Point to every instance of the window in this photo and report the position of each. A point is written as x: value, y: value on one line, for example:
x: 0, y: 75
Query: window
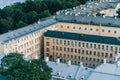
x: 56, y: 48
x: 87, y: 45
x: 67, y: 26
x: 102, y: 54
x: 75, y: 50
x: 68, y: 42
x: 56, y: 41
x: 79, y: 28
x: 83, y: 44
x: 106, y: 47
x: 79, y: 57
x: 98, y: 54
x: 115, y: 31
x: 60, y: 41
x: 109, y: 31
x: 61, y: 26
x: 71, y: 49
x: 90, y: 45
x: 82, y: 51
x: 79, y: 44
x: 111, y: 55
x: 68, y: 49
x: 102, y: 47
x: 53, y: 48
x: 91, y: 29
x: 64, y: 49
x: 75, y: 43
x: 111, y: 48
x: 79, y: 51
x: 98, y: 46
x: 47, y: 43
x: 96, y: 29
x: 94, y: 59
x: 47, y: 49
x: 94, y: 46
x: 64, y: 42
x: 60, y: 48
x: 106, y: 55
x: 90, y: 52
x: 102, y: 30
x: 73, y: 27
x: 94, y: 53
x: 85, y: 29
x: 87, y: 52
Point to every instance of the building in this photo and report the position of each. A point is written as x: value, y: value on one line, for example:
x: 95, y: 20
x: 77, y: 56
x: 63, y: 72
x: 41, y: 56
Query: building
x: 89, y: 49
x: 106, y: 71
x: 62, y: 71
x: 27, y: 40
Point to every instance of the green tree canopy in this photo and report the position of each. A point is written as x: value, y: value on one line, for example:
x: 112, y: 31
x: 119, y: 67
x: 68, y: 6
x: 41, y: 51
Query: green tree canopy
x: 15, y: 67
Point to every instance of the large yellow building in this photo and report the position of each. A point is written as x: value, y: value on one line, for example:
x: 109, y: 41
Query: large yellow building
x: 77, y: 35
x: 89, y: 49
x: 27, y: 40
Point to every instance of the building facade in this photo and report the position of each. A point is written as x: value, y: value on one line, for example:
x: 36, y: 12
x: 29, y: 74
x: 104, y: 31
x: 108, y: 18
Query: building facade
x: 27, y: 40
x: 89, y: 49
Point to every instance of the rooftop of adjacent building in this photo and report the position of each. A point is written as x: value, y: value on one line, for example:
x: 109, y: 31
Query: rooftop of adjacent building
x: 106, y: 72
x: 85, y: 14
x: 12, y: 35
x: 83, y: 37
x: 68, y: 71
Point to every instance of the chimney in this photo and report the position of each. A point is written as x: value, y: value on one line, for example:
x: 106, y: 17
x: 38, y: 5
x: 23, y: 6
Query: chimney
x: 118, y: 63
x: 105, y: 61
x: 81, y: 64
x: 39, y: 22
x: 47, y: 59
x: 116, y: 58
x: 69, y: 62
x: 57, y: 60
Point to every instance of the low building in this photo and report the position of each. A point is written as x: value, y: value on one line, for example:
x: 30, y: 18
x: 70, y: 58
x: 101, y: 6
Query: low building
x: 89, y: 49
x: 62, y: 71
x: 106, y: 71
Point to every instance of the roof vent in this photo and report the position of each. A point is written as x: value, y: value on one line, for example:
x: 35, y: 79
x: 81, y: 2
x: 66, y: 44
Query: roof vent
x: 116, y: 58
x: 105, y: 61
x: 81, y: 64
x: 69, y: 62
x: 118, y: 63
x: 53, y: 17
x: 46, y: 59
x: 58, y: 73
x: 57, y: 60
x: 39, y: 22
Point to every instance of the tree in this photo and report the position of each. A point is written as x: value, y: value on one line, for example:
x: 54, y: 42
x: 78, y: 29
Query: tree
x: 44, y: 14
x: 15, y: 67
x: 20, y: 24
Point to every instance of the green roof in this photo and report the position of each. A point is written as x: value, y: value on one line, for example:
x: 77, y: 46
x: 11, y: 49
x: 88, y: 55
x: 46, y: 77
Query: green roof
x: 83, y: 37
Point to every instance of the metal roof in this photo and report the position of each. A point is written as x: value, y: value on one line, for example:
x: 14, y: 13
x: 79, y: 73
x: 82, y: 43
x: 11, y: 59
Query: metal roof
x: 66, y: 70
x: 106, y: 72
x: 26, y: 30
x: 83, y: 37
x: 85, y: 14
